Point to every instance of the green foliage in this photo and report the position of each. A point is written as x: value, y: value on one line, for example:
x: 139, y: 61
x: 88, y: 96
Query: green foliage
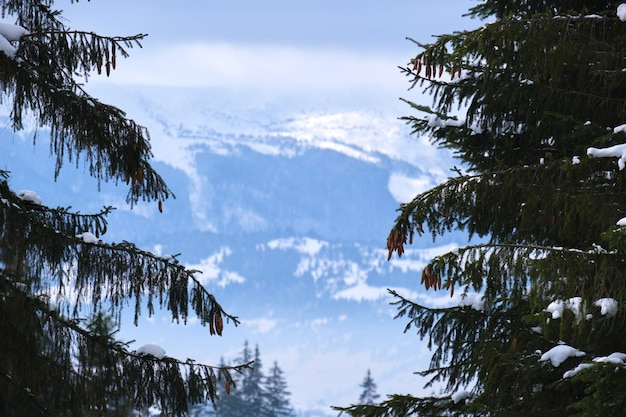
x: 521, y: 101
x: 406, y: 405
x: 53, y: 362
x: 604, y: 383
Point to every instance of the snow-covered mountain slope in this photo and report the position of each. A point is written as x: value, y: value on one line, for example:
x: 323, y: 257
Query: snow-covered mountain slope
x: 286, y: 212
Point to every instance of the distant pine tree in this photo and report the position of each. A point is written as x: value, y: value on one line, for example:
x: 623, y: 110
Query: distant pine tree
x: 54, y: 267
x: 254, y: 394
x: 277, y: 403
x: 245, y: 396
x: 534, y: 105
x: 230, y: 401
x: 369, y: 394
x: 253, y: 388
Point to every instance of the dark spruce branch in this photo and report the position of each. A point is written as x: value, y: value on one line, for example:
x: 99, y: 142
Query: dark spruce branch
x: 60, y: 219
x: 41, y: 82
x: 506, y: 275
x: 166, y: 381
x: 26, y: 392
x: 94, y: 273
x: 80, y: 127
x: 499, y: 67
x: 525, y: 203
x: 454, y: 334
x: 519, y: 10
x: 407, y: 405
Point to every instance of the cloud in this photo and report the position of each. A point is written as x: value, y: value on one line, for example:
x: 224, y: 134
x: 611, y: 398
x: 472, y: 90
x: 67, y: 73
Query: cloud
x: 360, y: 292
x: 261, y: 325
x: 319, y: 322
x: 269, y: 67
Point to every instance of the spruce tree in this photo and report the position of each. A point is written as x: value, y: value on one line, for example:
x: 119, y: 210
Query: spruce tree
x: 533, y: 104
x: 369, y: 394
x: 252, y: 387
x: 55, y: 268
x: 277, y: 403
x: 235, y: 401
x: 229, y: 402
x: 254, y: 394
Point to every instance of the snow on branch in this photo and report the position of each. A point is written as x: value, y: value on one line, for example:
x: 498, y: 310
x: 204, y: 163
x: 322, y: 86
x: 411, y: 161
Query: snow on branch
x: 621, y: 12
x: 31, y: 196
x: 10, y: 33
x: 616, y: 151
x: 560, y: 353
x: 115, y: 147
x: 153, y: 350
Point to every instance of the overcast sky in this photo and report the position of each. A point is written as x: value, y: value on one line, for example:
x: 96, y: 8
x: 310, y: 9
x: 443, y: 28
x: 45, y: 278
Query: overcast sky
x: 363, y: 25
x: 303, y: 48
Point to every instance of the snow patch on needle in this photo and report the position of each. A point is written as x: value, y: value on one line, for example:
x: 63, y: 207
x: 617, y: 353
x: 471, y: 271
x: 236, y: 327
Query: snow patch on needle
x: 560, y: 353
x: 621, y: 12
x: 151, y: 350
x: 608, y: 306
x: 28, y: 195
x: 10, y: 33
x: 616, y: 151
x: 88, y: 237
x: 557, y: 307
x: 473, y: 300
x: 615, y: 358
x: 459, y: 396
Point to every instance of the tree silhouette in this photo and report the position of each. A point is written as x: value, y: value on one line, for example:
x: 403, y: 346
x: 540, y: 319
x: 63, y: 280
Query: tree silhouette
x: 277, y: 403
x: 254, y: 393
x: 369, y: 394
